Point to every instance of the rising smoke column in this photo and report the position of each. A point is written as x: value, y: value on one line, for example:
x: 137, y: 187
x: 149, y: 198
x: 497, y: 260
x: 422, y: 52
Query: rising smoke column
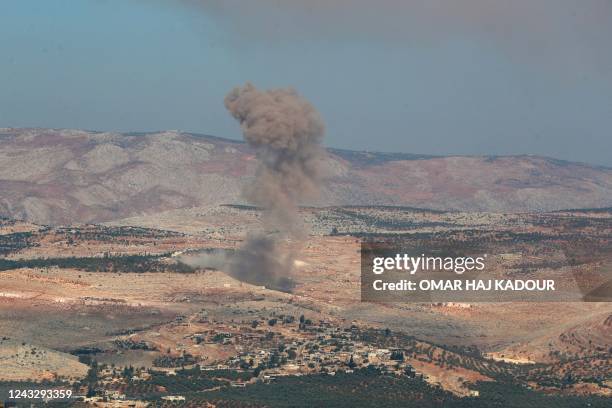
x: 286, y: 132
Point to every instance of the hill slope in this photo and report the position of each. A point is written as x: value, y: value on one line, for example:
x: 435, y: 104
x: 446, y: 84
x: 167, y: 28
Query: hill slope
x: 66, y: 176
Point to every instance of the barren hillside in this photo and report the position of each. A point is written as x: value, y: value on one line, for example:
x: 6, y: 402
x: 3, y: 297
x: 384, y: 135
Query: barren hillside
x: 66, y: 176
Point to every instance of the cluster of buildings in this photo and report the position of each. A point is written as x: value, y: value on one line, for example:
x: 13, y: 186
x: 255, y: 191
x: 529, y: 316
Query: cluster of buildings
x: 306, y: 348
x: 269, y: 348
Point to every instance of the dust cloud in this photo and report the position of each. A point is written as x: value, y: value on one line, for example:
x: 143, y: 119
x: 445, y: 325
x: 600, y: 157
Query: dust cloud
x: 286, y: 132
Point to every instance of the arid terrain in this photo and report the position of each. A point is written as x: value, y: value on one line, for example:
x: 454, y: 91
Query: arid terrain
x: 116, y: 278
x: 145, y: 304
x: 56, y: 177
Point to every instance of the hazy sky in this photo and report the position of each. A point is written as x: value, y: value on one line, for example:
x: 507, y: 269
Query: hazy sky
x: 420, y: 76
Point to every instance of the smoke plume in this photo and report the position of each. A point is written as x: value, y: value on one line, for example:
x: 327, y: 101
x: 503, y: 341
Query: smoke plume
x: 286, y: 132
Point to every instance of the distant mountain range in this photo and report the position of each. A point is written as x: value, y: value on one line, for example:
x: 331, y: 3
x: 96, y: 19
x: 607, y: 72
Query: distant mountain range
x: 54, y: 176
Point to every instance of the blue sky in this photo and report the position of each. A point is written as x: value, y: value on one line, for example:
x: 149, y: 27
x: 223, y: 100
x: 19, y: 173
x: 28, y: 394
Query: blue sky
x: 484, y: 78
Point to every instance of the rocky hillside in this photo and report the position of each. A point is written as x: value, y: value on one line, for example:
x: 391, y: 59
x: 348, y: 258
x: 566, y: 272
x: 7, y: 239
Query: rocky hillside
x: 66, y: 176
x: 26, y: 362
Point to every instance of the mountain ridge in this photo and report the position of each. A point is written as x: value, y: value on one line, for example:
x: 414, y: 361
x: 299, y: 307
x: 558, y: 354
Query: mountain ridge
x: 336, y: 150
x: 55, y: 176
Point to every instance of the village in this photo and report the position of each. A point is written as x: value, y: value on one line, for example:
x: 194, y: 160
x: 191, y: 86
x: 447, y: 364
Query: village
x: 268, y: 348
